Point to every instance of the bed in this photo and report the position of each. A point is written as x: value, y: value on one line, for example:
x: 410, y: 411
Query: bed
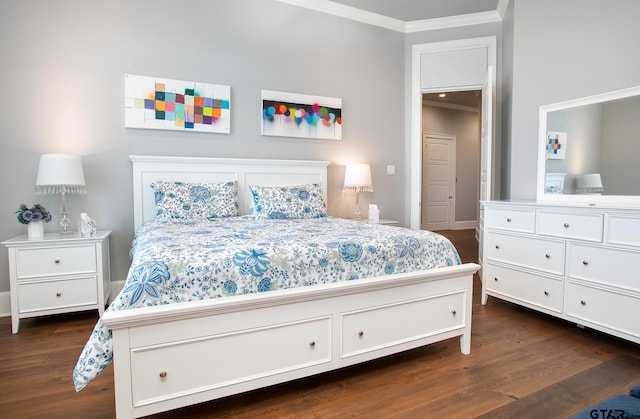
x: 181, y: 346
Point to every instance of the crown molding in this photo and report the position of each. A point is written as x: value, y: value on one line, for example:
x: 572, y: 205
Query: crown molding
x: 353, y: 13
x: 348, y: 12
x: 452, y: 21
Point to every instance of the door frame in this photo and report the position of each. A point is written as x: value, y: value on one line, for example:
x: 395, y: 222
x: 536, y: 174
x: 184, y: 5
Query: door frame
x: 415, y: 133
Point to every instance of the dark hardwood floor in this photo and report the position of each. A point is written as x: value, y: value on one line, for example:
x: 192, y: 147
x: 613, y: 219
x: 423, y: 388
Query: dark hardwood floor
x: 522, y: 365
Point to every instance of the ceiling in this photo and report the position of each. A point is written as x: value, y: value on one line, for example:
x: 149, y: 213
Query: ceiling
x: 411, y: 10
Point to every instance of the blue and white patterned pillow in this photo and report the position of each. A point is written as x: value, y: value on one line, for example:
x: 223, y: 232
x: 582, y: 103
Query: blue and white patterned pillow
x: 195, y: 201
x: 302, y: 201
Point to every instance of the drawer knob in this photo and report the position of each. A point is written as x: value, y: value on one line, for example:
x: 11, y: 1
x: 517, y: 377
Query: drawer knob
x: 163, y: 374
x: 57, y: 261
x: 58, y: 294
x: 454, y: 312
x: 360, y: 333
x: 508, y: 220
x: 548, y: 256
x: 495, y: 278
x: 566, y: 225
x: 497, y: 246
x: 583, y: 302
x: 546, y: 293
x: 312, y: 344
x: 585, y: 262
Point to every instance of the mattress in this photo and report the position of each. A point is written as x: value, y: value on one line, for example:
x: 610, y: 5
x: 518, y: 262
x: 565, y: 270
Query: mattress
x: 175, y: 262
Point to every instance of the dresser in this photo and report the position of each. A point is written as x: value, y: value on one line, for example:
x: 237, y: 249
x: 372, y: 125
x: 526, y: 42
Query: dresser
x: 58, y: 274
x: 577, y: 262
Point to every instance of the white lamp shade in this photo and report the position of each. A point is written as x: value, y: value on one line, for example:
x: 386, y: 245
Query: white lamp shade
x: 358, y: 177
x: 58, y: 173
x: 591, y: 180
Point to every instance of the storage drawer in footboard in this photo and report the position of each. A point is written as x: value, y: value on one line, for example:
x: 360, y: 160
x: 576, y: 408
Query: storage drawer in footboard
x: 394, y: 324
x: 164, y: 371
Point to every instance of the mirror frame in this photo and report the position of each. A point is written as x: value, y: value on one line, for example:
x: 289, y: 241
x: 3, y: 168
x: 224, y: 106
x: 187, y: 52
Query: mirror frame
x: 604, y: 200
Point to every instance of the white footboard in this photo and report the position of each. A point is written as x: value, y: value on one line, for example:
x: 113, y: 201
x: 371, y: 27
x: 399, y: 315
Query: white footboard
x: 171, y: 356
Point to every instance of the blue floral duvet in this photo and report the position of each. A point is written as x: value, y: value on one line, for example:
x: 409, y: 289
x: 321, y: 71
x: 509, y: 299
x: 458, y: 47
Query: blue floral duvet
x: 184, y: 261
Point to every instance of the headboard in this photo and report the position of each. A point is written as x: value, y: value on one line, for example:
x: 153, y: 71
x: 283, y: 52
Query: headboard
x: 149, y: 169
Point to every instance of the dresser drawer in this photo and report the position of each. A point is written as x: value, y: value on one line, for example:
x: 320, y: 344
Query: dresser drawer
x: 538, y: 290
x: 165, y: 371
x: 622, y: 230
x: 511, y: 219
x: 604, y: 308
x: 571, y: 226
x: 55, y: 261
x: 601, y: 264
x: 540, y: 254
x: 379, y: 327
x: 57, y: 294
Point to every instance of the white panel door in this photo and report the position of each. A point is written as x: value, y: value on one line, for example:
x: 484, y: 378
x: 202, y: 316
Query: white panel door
x: 439, y: 153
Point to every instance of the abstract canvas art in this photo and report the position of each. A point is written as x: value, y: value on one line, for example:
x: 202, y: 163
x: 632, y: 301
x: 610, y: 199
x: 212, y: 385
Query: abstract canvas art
x: 556, y: 145
x: 157, y: 103
x: 302, y: 116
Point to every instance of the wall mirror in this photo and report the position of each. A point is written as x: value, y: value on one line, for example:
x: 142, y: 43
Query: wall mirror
x: 589, y: 150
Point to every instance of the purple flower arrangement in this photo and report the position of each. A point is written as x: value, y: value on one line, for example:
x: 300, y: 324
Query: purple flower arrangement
x: 33, y: 214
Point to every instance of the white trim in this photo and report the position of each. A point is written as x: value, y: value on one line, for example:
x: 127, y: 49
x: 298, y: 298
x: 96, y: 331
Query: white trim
x: 452, y: 21
x: 502, y: 8
x: 353, y: 13
x: 348, y: 12
x: 415, y: 133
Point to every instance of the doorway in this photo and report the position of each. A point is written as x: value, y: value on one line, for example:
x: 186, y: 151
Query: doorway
x: 460, y: 65
x: 450, y: 184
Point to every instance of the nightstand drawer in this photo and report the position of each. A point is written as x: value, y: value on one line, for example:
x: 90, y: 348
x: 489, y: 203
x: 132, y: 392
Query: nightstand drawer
x: 55, y: 261
x: 51, y: 295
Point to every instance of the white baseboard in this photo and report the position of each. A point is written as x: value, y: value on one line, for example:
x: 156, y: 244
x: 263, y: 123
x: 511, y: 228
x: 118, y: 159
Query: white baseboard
x: 5, y: 298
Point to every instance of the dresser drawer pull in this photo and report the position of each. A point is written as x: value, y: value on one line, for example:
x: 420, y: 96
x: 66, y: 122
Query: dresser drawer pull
x: 312, y: 344
x: 495, y: 278
x: 57, y: 261
x: 360, y: 333
x: 58, y: 294
x: 585, y: 262
x: 583, y: 302
x: 546, y: 293
x: 566, y: 225
x: 497, y: 246
x: 454, y: 312
x: 508, y: 220
x: 163, y: 374
x: 548, y: 256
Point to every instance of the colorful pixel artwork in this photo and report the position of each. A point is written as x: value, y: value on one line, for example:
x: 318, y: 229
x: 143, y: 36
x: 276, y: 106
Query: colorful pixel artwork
x: 302, y: 116
x: 556, y: 145
x: 155, y: 103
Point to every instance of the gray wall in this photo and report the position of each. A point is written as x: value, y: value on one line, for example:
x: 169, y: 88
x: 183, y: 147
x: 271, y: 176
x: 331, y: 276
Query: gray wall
x: 564, y: 50
x: 63, y: 67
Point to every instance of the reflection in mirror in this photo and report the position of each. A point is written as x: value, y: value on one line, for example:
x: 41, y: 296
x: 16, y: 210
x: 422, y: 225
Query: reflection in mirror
x: 589, y: 147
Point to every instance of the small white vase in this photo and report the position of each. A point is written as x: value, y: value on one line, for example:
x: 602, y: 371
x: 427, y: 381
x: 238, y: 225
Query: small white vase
x: 35, y: 230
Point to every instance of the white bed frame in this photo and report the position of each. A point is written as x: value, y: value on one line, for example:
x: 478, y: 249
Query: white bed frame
x: 171, y: 356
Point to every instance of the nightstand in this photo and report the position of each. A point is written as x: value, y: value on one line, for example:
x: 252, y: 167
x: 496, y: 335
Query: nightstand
x: 58, y: 274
